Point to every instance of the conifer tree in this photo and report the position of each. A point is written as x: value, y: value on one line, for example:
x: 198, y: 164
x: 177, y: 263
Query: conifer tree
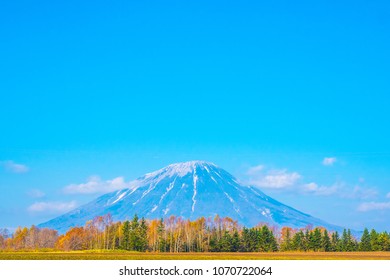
x: 325, y: 242
x: 298, y: 241
x: 235, y: 246
x: 315, y: 240
x: 244, y: 242
x: 126, y: 236
x: 384, y: 241
x: 286, y: 241
x: 142, y: 236
x: 161, y: 240
x: 226, y: 242
x: 335, y: 242
x: 134, y: 234
x: 365, y: 241
x: 269, y: 241
x: 375, y: 240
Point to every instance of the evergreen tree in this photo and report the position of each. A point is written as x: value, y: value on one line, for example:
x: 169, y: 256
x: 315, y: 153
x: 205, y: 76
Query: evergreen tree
x: 134, y: 234
x: 226, y: 242
x: 298, y: 241
x: 384, y: 241
x: 375, y: 246
x: 353, y: 244
x: 252, y: 240
x: 315, y: 240
x: 214, y: 243
x: 286, y: 242
x: 325, y: 242
x: 365, y: 242
x: 344, y: 241
x: 348, y: 244
x: 335, y: 242
x: 235, y: 246
x: 160, y: 232
x: 267, y: 240
x: 306, y: 240
x: 244, y: 242
x: 142, y: 233
x: 125, y: 245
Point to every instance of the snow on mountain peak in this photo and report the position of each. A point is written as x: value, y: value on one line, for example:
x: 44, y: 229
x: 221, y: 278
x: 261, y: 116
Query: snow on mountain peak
x: 181, y: 169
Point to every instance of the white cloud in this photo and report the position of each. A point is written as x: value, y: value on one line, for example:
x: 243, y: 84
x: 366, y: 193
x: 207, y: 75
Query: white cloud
x: 313, y: 188
x: 361, y: 193
x: 388, y: 195
x: 275, y: 179
x: 340, y: 189
x: 329, y: 161
x: 255, y: 170
x: 96, y: 185
x: 52, y: 207
x: 371, y: 206
x: 14, y: 167
x: 260, y: 176
x: 36, y: 193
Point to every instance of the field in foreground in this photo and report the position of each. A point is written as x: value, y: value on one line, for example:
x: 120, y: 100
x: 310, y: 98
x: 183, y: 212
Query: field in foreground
x: 88, y: 255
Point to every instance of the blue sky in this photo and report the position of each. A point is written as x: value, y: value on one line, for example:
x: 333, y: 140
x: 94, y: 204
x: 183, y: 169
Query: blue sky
x: 291, y: 97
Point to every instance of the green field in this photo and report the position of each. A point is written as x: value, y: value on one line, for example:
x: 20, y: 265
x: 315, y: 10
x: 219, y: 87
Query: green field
x: 94, y: 255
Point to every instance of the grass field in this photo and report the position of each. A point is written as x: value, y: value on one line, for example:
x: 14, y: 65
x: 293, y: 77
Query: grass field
x: 94, y: 255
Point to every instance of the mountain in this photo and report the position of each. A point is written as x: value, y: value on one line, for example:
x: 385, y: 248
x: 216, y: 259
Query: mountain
x: 190, y: 190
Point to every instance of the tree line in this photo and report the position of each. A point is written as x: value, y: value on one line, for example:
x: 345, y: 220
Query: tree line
x: 175, y: 234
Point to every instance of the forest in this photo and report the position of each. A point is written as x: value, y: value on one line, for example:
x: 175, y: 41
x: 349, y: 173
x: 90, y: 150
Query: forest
x: 175, y: 234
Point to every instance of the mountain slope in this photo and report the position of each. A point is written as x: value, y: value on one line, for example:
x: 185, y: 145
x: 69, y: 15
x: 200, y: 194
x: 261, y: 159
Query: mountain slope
x: 191, y: 190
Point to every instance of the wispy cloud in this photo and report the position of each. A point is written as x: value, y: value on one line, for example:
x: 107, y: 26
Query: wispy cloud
x: 388, y: 195
x: 36, y: 193
x: 14, y: 167
x: 314, y: 188
x: 372, y: 206
x: 275, y: 179
x: 361, y: 193
x: 329, y: 161
x: 52, y: 207
x: 340, y: 189
x: 96, y: 185
x: 255, y: 170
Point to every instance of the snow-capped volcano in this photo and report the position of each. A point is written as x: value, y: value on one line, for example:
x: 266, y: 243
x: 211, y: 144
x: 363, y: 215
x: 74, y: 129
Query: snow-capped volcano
x: 190, y: 190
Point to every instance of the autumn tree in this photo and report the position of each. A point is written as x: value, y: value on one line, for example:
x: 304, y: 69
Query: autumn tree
x: 2, y: 242
x: 4, y: 235
x: 153, y: 235
x: 19, y: 240
x: 72, y: 240
x: 31, y: 239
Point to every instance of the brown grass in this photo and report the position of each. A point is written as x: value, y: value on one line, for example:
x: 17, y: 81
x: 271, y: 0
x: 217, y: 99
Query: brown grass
x: 114, y: 255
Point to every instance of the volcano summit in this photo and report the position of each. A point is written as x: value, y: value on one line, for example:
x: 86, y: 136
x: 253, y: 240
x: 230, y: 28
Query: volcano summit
x: 191, y: 190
